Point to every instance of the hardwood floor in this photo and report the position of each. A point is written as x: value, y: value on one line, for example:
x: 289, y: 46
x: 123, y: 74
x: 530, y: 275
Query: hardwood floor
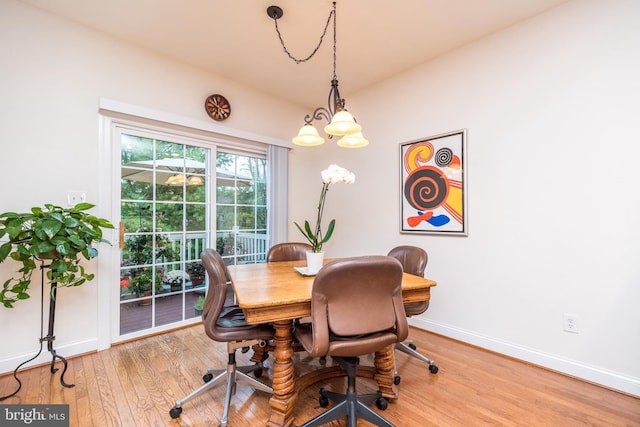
x: 137, y: 383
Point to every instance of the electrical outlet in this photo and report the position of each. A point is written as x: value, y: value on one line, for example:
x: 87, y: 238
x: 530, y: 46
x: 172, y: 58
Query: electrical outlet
x: 571, y: 323
x: 75, y: 197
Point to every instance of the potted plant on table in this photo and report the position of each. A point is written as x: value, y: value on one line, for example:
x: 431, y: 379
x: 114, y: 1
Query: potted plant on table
x: 333, y: 174
x: 62, y: 235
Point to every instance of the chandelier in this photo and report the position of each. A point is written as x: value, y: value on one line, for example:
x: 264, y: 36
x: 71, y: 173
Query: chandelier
x: 340, y: 121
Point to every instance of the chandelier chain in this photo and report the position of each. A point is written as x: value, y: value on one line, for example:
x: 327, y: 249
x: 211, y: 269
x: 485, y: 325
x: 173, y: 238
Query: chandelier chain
x: 297, y: 60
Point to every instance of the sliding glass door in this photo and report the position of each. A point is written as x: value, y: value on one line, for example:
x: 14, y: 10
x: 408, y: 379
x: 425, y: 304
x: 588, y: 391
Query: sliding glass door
x: 164, y: 206
x: 172, y: 207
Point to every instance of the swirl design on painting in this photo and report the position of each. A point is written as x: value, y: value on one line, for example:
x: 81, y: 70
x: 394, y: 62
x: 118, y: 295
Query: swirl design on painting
x: 418, y: 155
x: 444, y: 157
x: 426, y: 188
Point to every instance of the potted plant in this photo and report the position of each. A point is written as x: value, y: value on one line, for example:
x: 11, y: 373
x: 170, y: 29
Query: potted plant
x: 176, y: 279
x: 333, y: 173
x: 62, y: 235
x: 141, y: 281
x: 139, y: 248
x: 199, y: 305
x: 196, y: 273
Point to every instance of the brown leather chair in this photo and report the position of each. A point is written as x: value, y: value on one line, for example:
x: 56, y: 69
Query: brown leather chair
x: 226, y: 323
x: 291, y: 251
x: 414, y: 261
x: 356, y: 308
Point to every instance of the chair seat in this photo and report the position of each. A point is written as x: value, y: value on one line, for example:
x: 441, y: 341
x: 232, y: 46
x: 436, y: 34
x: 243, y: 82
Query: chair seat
x: 340, y: 346
x: 231, y: 317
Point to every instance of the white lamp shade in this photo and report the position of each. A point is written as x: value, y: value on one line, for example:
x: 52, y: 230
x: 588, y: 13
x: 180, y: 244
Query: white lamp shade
x: 177, y: 179
x: 308, y: 137
x: 195, y: 180
x: 353, y: 141
x: 342, y: 123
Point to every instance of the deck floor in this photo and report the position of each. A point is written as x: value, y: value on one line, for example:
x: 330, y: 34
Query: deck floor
x: 134, y: 316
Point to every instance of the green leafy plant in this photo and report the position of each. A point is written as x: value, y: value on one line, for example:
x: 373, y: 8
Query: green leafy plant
x: 199, y: 305
x: 62, y: 235
x: 141, y: 281
x: 333, y: 173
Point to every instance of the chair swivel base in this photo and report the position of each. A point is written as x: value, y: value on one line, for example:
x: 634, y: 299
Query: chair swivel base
x: 409, y: 348
x: 230, y: 376
x: 350, y: 405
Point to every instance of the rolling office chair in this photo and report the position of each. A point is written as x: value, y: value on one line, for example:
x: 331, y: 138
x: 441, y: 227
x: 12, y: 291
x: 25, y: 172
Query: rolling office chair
x: 227, y: 324
x: 292, y: 251
x: 414, y: 261
x: 356, y: 308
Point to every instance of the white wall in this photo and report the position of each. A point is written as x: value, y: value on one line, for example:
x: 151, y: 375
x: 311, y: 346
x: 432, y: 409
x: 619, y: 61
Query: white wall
x: 551, y: 108
x: 53, y: 74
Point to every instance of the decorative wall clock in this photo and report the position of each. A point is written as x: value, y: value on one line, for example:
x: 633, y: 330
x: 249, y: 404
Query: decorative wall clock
x: 217, y: 107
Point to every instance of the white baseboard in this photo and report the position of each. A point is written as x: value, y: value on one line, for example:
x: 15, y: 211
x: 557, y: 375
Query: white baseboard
x: 66, y: 351
x: 573, y: 368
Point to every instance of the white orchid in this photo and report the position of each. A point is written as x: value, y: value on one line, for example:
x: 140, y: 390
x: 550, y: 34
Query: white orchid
x: 333, y: 174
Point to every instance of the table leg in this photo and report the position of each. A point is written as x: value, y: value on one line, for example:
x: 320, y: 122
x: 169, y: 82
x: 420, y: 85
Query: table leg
x: 384, y: 371
x: 284, y: 396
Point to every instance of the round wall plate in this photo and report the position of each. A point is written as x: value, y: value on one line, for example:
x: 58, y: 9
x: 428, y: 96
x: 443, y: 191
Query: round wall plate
x: 217, y: 107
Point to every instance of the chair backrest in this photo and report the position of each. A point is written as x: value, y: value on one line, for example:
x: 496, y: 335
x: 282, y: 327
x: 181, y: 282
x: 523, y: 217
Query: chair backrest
x: 356, y: 306
x: 217, y: 292
x: 291, y: 251
x: 223, y: 322
x: 413, y: 259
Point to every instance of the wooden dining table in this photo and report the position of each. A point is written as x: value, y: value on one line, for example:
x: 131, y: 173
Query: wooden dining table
x: 277, y: 293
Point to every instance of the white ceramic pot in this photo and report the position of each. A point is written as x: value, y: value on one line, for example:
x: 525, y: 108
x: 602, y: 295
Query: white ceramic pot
x: 314, y: 261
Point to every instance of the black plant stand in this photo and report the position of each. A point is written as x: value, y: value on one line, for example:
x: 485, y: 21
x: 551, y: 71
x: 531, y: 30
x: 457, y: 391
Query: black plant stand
x: 49, y: 338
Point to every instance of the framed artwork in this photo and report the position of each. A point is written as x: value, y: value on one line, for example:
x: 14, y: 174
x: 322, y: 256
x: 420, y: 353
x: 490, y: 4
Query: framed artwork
x: 433, y: 186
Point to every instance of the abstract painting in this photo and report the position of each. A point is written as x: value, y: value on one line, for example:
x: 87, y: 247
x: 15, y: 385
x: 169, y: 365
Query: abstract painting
x: 433, y: 188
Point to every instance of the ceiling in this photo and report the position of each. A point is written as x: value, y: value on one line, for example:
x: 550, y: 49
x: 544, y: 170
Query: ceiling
x: 236, y: 39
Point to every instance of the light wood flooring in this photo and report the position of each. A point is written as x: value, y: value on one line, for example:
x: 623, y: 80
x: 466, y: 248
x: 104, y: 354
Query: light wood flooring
x: 136, y: 383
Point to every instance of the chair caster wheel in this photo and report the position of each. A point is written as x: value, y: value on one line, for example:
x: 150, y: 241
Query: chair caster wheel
x: 257, y: 373
x: 433, y: 369
x: 207, y: 377
x: 381, y: 403
x: 175, y: 412
x: 396, y: 379
x: 323, y: 401
x: 412, y: 346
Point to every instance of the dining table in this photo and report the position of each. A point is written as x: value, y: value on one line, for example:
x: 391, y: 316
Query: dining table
x: 279, y: 293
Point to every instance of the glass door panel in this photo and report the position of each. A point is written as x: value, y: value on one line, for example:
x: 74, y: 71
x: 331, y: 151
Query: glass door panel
x: 241, y: 208
x: 164, y: 200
